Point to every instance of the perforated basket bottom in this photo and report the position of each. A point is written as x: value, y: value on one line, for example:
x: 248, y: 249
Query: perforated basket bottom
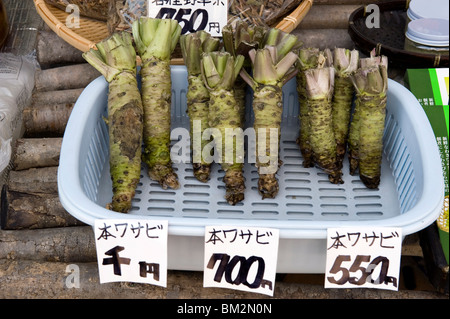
x: 305, y: 193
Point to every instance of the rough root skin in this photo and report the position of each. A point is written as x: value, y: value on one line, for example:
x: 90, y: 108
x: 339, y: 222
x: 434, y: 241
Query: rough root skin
x: 165, y: 177
x: 370, y: 182
x: 224, y: 115
x: 322, y: 140
x: 341, y: 110
x: 202, y: 171
x: 268, y: 186
x: 353, y: 140
x: 156, y: 99
x: 303, y: 139
x: 268, y: 107
x: 373, y: 113
x: 198, y: 109
x: 235, y: 186
x: 125, y: 133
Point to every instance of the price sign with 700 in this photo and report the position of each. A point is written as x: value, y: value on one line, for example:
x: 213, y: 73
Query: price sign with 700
x: 241, y: 258
x: 208, y: 15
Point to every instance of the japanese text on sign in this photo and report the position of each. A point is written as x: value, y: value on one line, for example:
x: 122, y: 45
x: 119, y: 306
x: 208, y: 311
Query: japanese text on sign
x: 132, y: 250
x: 192, y: 15
x: 241, y: 258
x: 363, y: 257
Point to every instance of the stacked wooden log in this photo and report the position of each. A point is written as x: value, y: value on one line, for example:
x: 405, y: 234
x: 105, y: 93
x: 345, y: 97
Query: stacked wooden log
x: 326, y: 24
x: 30, y: 197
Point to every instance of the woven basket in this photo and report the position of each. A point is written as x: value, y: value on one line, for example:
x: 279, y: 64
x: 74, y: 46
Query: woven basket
x: 93, y: 31
x: 292, y: 21
x: 83, y: 38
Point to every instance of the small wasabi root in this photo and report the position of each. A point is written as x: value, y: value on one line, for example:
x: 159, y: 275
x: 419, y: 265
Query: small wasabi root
x: 193, y: 45
x: 320, y: 86
x: 371, y: 82
x: 220, y: 70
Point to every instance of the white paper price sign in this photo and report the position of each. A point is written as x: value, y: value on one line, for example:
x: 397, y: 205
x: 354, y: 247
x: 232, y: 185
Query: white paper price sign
x: 192, y: 15
x: 241, y: 258
x: 132, y: 250
x: 363, y: 257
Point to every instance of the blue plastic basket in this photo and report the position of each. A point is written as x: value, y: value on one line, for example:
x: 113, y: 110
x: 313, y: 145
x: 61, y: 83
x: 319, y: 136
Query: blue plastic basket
x: 410, y: 195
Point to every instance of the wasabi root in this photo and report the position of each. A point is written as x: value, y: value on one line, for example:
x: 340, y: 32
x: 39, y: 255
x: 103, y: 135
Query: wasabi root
x: 155, y: 41
x: 371, y: 82
x: 116, y: 61
x: 193, y: 45
x: 219, y: 71
x: 308, y: 58
x: 319, y: 88
x: 238, y: 39
x: 345, y: 63
x: 272, y: 67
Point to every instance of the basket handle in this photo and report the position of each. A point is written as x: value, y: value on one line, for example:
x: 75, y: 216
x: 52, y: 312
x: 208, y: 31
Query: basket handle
x: 292, y: 21
x: 59, y: 28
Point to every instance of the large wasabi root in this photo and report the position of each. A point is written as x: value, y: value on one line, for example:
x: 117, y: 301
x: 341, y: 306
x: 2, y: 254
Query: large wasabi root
x: 116, y: 60
x: 156, y: 97
x: 155, y: 41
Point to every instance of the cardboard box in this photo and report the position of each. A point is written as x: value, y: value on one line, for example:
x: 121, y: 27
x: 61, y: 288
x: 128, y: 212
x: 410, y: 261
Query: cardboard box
x: 431, y: 88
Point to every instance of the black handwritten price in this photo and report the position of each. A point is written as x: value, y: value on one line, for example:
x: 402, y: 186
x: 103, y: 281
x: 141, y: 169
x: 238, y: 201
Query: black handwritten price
x: 191, y: 20
x: 357, y: 274
x: 227, y: 267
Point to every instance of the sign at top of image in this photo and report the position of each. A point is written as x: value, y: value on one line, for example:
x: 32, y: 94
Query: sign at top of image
x: 192, y: 15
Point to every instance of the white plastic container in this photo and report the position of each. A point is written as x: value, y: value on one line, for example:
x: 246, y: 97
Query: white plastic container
x: 424, y: 9
x: 427, y: 36
x: 410, y: 195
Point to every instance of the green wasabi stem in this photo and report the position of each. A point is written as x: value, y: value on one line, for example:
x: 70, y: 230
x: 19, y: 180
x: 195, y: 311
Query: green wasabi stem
x: 354, y: 130
x: 371, y: 87
x: 116, y: 61
x: 345, y: 63
x: 155, y: 41
x: 270, y: 72
x: 193, y: 45
x: 308, y: 58
x: 319, y: 88
x: 238, y: 39
x: 219, y: 71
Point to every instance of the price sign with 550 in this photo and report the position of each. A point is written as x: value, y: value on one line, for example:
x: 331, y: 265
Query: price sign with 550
x: 363, y: 257
x: 192, y: 15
